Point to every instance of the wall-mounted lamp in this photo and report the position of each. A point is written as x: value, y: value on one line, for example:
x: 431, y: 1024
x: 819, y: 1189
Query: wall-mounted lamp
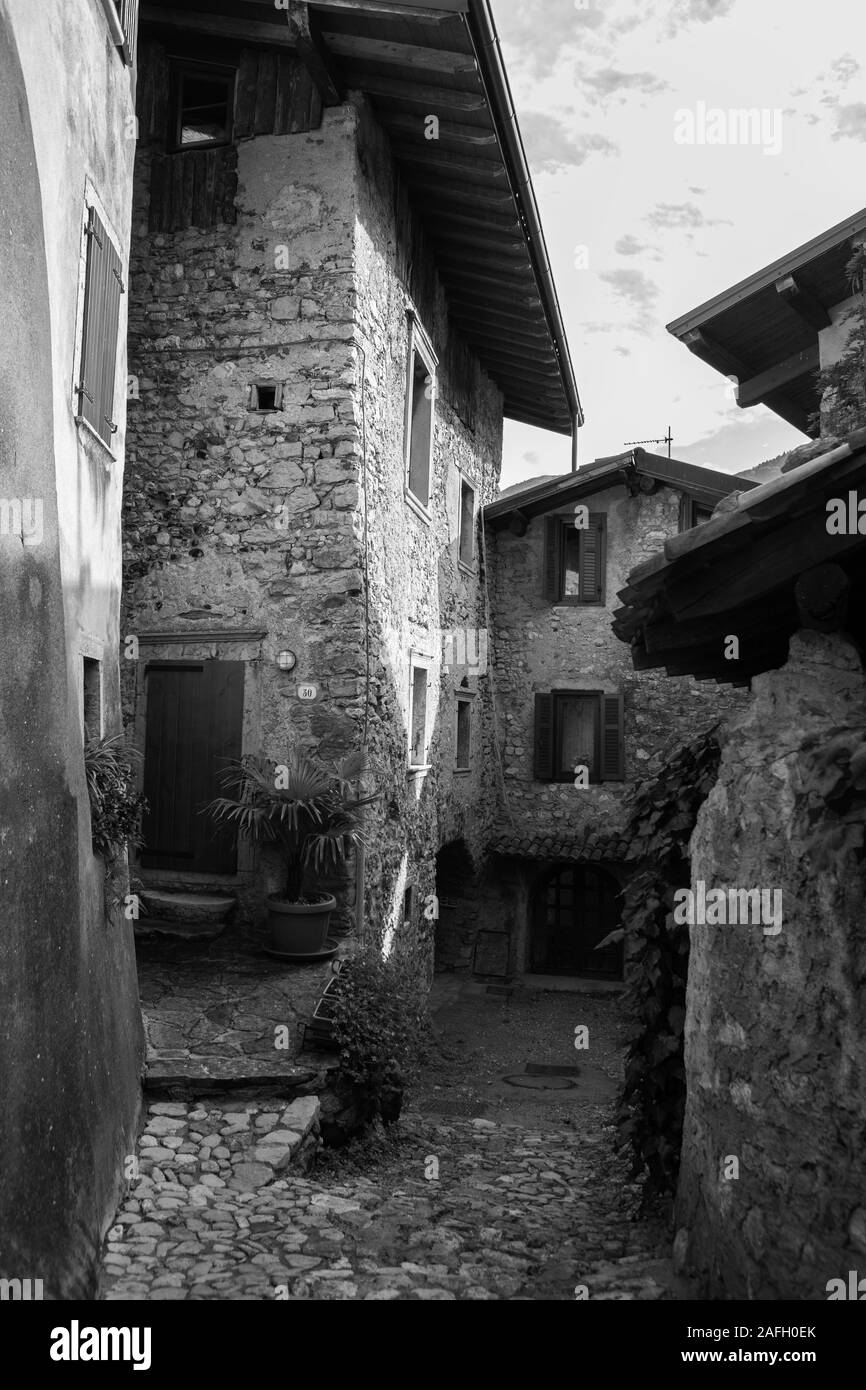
x: 287, y: 661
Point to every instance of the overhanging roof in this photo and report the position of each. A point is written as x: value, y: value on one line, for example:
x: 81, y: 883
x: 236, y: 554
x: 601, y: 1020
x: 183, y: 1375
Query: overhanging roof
x: 705, y: 485
x: 736, y: 574
x: 764, y: 330
x: 471, y: 186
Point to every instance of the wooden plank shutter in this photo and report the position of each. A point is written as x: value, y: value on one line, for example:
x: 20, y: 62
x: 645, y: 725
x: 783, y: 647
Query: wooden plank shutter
x: 128, y: 12
x: 544, y: 738
x: 612, y: 740
x: 591, y: 561
x: 102, y: 290
x: 552, y: 580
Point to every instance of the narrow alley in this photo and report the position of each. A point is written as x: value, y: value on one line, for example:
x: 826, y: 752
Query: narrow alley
x: 500, y: 1181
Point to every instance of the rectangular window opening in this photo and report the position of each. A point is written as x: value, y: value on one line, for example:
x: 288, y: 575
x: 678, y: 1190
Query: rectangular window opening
x: 421, y: 391
x: 577, y: 730
x: 575, y: 560
x: 266, y: 396
x: 92, y: 701
x: 100, y: 318
x: 466, y: 543
x: 203, y: 107
x: 464, y: 736
x: 418, y: 718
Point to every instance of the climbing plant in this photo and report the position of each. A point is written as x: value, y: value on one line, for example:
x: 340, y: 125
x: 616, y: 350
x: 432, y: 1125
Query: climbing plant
x: 842, y: 385
x: 662, y: 812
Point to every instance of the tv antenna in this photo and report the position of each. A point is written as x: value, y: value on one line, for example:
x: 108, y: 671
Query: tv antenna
x: 668, y: 439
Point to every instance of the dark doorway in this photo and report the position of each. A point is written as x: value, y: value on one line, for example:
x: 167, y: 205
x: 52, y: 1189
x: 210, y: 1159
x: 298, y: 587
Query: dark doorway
x: 458, y: 910
x: 194, y: 726
x: 577, y: 906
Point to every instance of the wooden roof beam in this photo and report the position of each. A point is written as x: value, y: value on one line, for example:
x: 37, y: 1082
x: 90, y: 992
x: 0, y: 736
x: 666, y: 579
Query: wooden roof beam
x: 757, y: 388
x: 384, y: 9
x: 402, y: 55
x: 218, y: 26
x: 424, y: 94
x: 802, y: 302
x: 306, y: 35
x: 457, y: 133
x: 716, y: 356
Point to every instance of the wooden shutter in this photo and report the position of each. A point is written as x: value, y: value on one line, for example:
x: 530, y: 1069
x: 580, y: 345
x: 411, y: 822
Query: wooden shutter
x: 127, y: 11
x: 102, y: 290
x: 592, y: 561
x: 612, y: 741
x: 552, y: 580
x: 544, y: 738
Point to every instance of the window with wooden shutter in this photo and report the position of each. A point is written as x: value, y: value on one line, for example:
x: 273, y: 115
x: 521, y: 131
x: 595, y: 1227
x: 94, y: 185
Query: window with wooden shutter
x: 553, y: 534
x: 544, y: 738
x: 579, y: 728
x: 612, y: 740
x: 575, y: 560
x: 103, y: 287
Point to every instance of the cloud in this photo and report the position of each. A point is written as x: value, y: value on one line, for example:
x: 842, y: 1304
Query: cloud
x: 542, y: 29
x: 608, y: 82
x: 638, y: 292
x: 629, y: 245
x: 844, y: 69
x: 696, y: 191
x: 669, y: 216
x: 551, y: 146
x: 686, y: 12
x: 623, y: 351
x: 850, y: 121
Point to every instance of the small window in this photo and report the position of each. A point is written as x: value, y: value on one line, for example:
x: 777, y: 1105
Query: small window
x: 266, y: 396
x: 466, y: 543
x: 103, y: 286
x: 575, y: 561
x: 92, y: 699
x: 579, y: 729
x: 418, y: 718
x: 692, y: 513
x: 203, y: 106
x: 420, y: 396
x: 410, y: 905
x: 463, y: 762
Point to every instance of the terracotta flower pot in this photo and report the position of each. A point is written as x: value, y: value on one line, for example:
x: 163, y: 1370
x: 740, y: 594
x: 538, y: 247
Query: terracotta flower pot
x: 299, y: 929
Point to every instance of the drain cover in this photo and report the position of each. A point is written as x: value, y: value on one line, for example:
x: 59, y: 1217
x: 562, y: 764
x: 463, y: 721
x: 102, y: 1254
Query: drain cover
x: 533, y: 1081
x: 544, y: 1069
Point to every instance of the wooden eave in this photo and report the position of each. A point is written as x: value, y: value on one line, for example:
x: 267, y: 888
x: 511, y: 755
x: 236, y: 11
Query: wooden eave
x: 470, y: 188
x: 764, y: 330
x: 735, y: 574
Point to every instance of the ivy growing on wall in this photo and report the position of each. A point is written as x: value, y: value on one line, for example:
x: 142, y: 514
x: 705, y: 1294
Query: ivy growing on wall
x: 662, y: 810
x: 843, y: 385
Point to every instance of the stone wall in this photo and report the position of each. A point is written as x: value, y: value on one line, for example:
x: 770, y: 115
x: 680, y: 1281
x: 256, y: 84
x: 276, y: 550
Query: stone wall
x: 417, y: 588
x: 776, y: 1023
x: 70, y: 1028
x: 238, y: 522
x: 539, y: 646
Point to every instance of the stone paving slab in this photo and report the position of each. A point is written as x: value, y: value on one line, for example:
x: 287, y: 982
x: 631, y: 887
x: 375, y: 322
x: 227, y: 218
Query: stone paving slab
x: 461, y: 1210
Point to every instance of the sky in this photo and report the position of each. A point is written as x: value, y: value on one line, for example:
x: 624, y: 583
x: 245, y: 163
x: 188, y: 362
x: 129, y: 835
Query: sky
x: 643, y: 222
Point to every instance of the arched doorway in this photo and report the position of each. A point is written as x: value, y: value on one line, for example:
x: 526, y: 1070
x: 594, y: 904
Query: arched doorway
x: 576, y: 906
x: 458, y: 907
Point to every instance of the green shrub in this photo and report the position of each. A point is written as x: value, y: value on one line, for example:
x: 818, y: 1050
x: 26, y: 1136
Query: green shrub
x: 116, y: 807
x: 380, y: 1024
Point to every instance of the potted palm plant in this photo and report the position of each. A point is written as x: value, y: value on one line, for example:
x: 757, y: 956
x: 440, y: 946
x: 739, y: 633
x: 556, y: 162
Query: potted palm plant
x: 313, y: 814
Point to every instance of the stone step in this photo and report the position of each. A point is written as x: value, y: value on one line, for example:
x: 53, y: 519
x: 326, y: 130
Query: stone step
x: 184, y: 1077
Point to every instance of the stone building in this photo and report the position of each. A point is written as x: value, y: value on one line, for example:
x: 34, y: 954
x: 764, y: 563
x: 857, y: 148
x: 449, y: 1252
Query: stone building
x: 70, y: 1028
x: 775, y: 1027
x: 574, y: 724
x: 338, y: 288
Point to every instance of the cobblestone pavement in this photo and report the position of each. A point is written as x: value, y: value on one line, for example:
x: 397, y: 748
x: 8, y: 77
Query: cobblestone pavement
x: 531, y: 1204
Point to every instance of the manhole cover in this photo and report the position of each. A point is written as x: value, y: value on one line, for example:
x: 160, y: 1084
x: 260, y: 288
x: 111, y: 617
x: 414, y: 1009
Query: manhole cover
x: 532, y: 1081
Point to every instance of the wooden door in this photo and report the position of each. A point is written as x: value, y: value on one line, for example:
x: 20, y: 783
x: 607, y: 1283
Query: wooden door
x: 194, y: 725
x: 575, y: 909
